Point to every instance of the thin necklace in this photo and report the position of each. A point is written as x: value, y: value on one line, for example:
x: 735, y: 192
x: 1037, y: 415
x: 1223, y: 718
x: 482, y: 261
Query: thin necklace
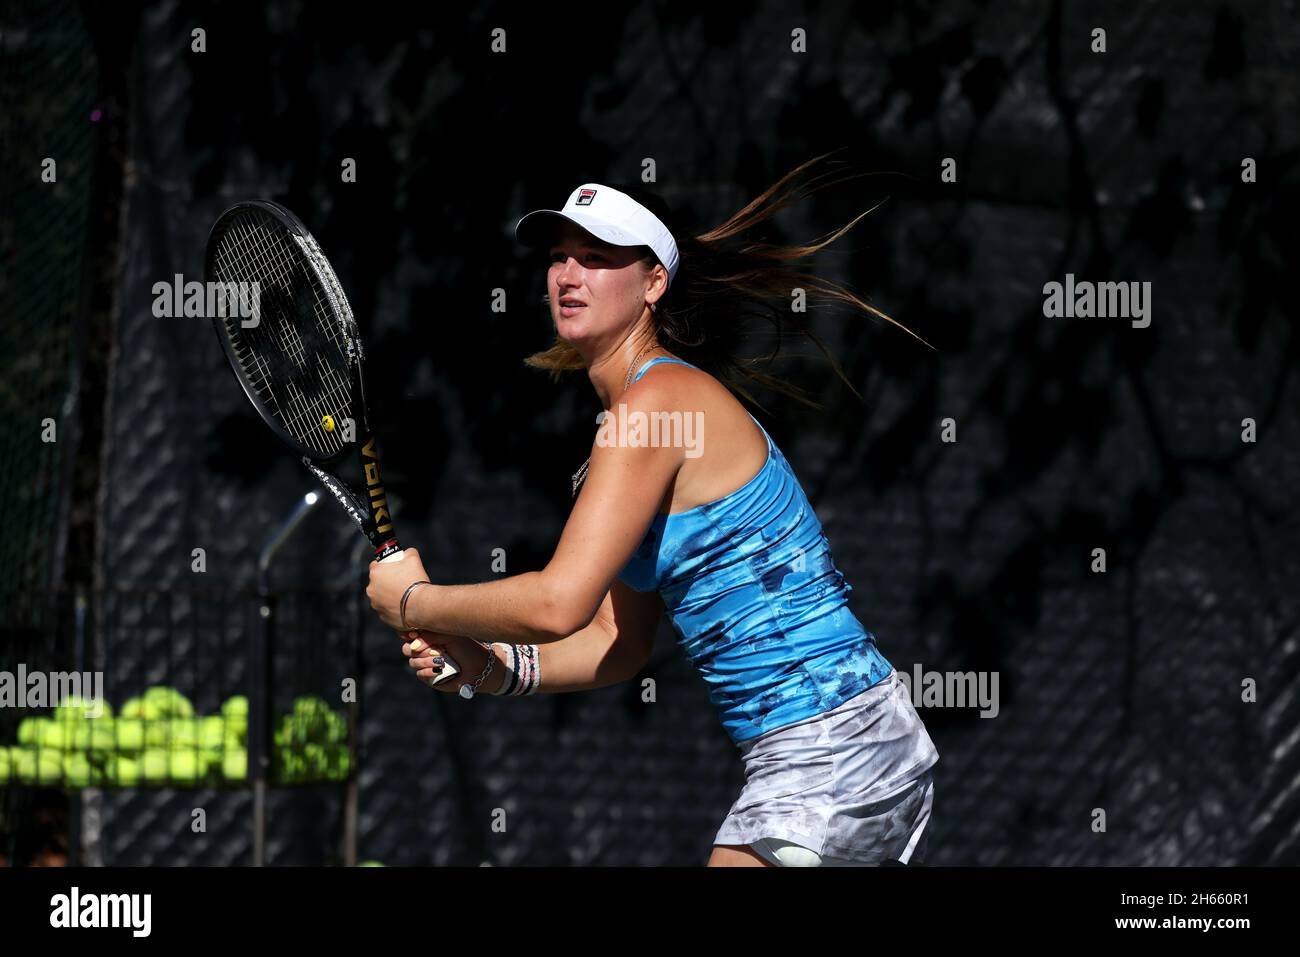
x: 580, y: 476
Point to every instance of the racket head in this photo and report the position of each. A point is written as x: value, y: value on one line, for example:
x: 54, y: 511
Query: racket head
x: 300, y: 364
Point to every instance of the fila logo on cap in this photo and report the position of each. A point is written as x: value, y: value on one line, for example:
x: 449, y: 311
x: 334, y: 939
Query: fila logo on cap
x: 620, y: 220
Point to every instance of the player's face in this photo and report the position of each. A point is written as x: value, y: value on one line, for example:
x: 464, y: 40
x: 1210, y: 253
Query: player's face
x: 596, y: 290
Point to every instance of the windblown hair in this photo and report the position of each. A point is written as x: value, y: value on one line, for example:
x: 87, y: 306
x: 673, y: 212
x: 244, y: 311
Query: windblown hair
x: 725, y: 282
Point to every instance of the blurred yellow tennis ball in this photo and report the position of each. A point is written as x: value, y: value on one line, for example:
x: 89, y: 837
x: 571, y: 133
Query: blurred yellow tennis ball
x: 55, y: 735
x: 29, y: 730
x: 338, y: 759
x: 124, y: 771
x: 77, y: 771
x: 212, y: 731
x: 210, y: 762
x: 148, y: 710
x: 167, y: 702
x: 155, y: 733
x: 234, y: 766
x: 316, y: 759
x: 51, y: 767
x: 23, y: 763
x: 130, y: 733
x: 183, y: 766
x: 154, y: 766
x: 327, y: 421
x: 183, y: 732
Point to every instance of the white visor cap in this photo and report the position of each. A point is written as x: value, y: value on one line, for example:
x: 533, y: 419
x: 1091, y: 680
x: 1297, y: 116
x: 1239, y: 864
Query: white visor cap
x: 607, y: 214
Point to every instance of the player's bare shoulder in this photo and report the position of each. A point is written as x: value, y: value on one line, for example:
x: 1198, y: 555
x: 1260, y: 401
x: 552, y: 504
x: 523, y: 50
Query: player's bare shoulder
x: 689, y: 409
x: 677, y: 396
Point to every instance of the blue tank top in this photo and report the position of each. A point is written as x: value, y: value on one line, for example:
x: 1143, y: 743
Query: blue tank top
x: 757, y: 604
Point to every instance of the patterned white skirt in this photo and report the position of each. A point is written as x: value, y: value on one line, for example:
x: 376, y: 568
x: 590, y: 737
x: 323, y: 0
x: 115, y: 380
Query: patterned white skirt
x: 850, y: 787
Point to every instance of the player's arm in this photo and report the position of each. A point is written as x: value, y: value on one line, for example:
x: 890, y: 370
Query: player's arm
x: 613, y: 648
x: 621, y: 495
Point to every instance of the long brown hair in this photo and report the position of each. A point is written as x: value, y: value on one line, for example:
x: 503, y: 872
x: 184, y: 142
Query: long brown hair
x: 723, y: 283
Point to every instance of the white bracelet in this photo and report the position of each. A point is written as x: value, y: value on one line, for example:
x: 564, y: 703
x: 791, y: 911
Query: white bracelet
x: 529, y: 665
x: 523, y: 675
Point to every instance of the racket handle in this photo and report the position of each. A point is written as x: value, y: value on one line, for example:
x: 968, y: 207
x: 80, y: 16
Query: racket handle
x: 449, y: 667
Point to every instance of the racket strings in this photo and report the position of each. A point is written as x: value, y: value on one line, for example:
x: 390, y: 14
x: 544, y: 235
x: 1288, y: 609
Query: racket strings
x: 248, y: 249
x: 297, y: 356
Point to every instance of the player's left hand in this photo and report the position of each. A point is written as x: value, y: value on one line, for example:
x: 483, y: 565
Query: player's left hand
x: 389, y: 581
x: 424, y: 649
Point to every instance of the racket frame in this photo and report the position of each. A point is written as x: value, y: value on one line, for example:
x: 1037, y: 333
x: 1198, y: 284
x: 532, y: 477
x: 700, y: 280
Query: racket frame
x: 369, y: 510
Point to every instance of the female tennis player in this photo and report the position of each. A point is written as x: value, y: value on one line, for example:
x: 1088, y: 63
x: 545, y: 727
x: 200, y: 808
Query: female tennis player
x: 687, y: 504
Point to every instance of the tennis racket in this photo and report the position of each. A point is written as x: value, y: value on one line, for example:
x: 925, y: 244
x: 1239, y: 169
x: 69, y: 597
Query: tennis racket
x: 291, y: 338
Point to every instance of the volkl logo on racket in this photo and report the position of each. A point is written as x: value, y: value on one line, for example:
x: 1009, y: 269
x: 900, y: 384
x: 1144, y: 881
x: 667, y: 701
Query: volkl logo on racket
x: 378, y: 503
x: 301, y: 365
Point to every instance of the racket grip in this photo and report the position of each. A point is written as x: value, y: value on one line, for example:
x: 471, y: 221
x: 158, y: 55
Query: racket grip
x: 449, y: 668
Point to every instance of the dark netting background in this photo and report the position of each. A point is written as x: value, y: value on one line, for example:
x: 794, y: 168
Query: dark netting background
x: 43, y: 238
x: 1120, y: 691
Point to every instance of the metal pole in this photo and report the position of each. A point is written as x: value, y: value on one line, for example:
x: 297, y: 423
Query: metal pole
x: 261, y: 675
x: 351, y: 794
x: 83, y: 803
